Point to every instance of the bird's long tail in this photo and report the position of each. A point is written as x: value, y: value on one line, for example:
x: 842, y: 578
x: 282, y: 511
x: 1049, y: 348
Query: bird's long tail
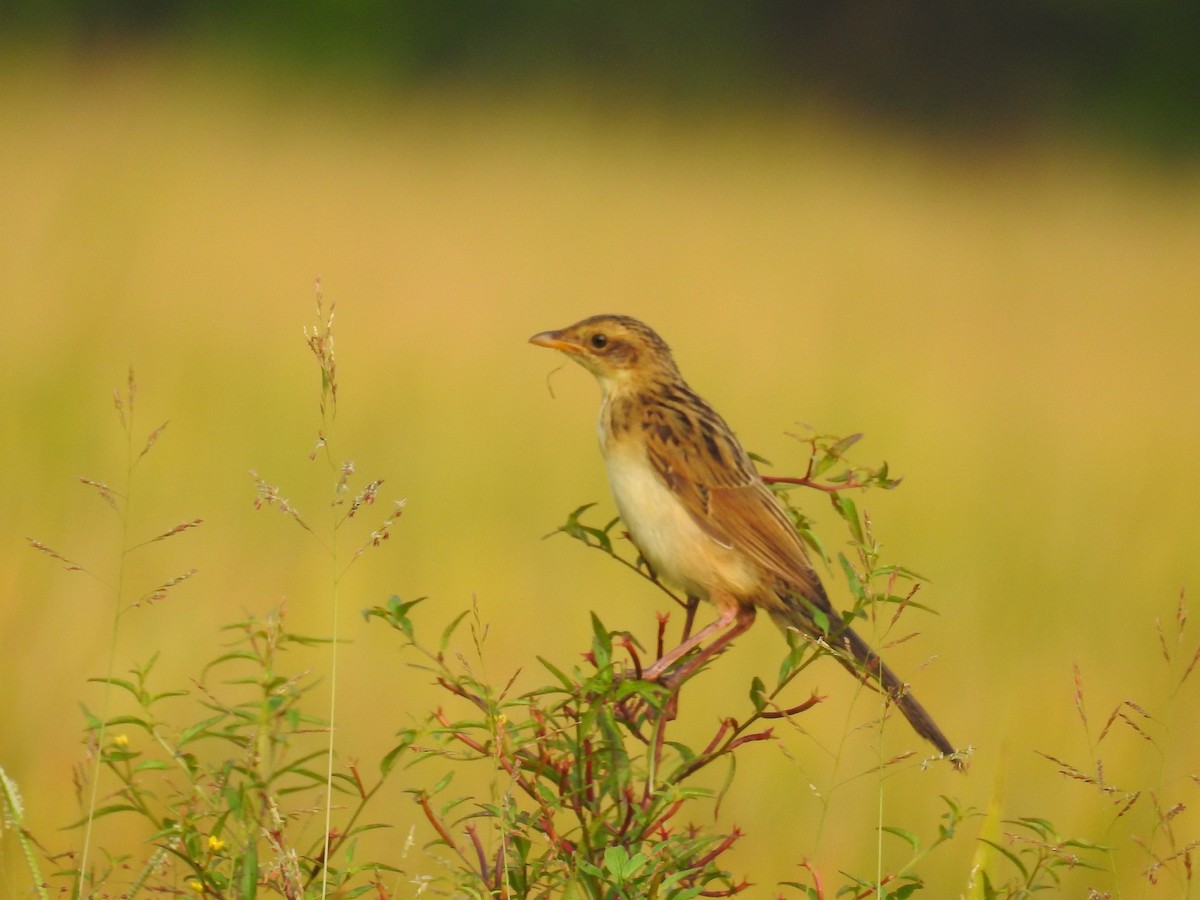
x: 863, y: 663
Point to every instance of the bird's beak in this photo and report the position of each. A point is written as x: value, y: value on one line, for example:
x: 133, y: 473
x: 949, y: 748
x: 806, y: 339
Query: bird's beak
x: 555, y: 341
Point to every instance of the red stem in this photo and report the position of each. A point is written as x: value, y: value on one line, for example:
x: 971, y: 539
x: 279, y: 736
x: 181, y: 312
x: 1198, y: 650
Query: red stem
x: 479, y: 854
x: 719, y: 849
x: 662, y: 820
x: 436, y: 823
x: 784, y: 713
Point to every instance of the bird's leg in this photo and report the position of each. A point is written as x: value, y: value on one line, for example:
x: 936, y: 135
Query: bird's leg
x: 743, y: 620
x: 693, y: 603
x: 724, y: 620
x: 733, y: 620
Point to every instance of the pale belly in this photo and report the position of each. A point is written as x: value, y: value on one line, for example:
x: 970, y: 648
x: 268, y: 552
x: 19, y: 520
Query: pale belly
x: 679, y: 550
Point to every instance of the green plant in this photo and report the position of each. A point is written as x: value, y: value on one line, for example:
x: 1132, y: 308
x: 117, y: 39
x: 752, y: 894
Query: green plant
x: 235, y: 783
x: 124, y: 601
x: 596, y: 797
x: 234, y: 801
x: 233, y: 778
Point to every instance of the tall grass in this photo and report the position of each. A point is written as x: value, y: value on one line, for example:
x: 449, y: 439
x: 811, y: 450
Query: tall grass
x: 597, y: 800
x: 1011, y: 326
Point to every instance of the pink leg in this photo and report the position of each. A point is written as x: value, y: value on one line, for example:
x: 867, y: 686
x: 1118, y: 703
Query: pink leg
x: 734, y: 620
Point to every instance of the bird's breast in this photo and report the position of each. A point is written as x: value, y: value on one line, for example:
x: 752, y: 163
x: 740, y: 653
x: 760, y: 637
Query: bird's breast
x: 668, y: 537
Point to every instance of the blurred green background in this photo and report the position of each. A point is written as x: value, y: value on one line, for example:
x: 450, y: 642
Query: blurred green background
x: 972, y: 235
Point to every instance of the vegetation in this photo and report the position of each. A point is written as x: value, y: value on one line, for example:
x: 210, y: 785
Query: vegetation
x: 245, y: 789
x: 1011, y: 322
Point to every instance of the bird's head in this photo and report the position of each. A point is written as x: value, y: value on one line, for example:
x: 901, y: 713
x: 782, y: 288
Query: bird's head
x: 620, y: 351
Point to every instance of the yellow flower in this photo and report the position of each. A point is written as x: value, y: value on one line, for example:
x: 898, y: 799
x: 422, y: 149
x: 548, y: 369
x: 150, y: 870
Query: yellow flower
x: 196, y: 886
x: 215, y: 844
x: 121, y: 740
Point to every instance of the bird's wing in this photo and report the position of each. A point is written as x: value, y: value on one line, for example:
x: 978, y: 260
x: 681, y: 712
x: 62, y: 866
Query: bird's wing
x: 696, y: 455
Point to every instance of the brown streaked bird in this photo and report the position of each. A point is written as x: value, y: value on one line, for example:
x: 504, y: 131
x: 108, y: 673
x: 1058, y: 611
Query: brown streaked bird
x: 700, y: 514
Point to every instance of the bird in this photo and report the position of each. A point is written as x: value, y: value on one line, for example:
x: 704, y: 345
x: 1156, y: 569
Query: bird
x: 701, y: 516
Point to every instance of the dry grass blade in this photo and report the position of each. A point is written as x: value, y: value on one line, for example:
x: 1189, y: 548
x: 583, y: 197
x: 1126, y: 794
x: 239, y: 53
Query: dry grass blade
x: 1119, y: 713
x: 1079, y: 698
x: 320, y: 342
x: 152, y: 438
x: 160, y: 592
x: 1071, y: 771
x: 107, y: 494
x: 1128, y: 720
x: 54, y: 554
x: 1185, y: 853
x: 895, y: 642
x: 268, y: 495
x: 1109, y: 723
x: 178, y: 529
x: 119, y: 405
x: 1191, y: 666
x: 1130, y: 800
x: 894, y: 761
x: 382, y: 533
x: 171, y: 532
x: 365, y: 497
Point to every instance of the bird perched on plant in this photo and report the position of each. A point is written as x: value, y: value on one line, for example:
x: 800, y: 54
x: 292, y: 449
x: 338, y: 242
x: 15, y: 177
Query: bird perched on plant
x: 700, y: 514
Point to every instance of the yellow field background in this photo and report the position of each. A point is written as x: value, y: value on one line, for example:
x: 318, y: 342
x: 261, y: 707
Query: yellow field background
x: 1013, y: 323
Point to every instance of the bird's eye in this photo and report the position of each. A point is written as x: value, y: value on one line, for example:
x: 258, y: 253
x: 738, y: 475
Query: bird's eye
x: 599, y: 341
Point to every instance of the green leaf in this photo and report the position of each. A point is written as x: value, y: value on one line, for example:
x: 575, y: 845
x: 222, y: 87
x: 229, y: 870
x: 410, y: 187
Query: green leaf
x: 563, y: 679
x: 884, y: 481
x: 131, y: 720
x: 903, y: 572
x: 576, y: 529
x: 1084, y: 844
x: 621, y: 865
x: 839, y: 449
x: 602, y: 539
x: 588, y: 868
x: 758, y: 694
x: 167, y: 695
x: 849, y: 512
x: 122, y: 683
x: 820, y: 619
x: 246, y: 870
x: 199, y: 729
x: 615, y: 860
x: 857, y: 588
x: 810, y: 892
x: 727, y: 783
x: 103, y: 811
x: 907, y: 836
x: 1044, y: 828
x: 651, y: 692
x: 1009, y: 855
x: 152, y: 764
x: 813, y: 542
x: 601, y: 643
x: 831, y: 454
x: 408, y: 736
x: 442, y: 784
x: 449, y: 630
x: 395, y: 613
x: 901, y: 893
